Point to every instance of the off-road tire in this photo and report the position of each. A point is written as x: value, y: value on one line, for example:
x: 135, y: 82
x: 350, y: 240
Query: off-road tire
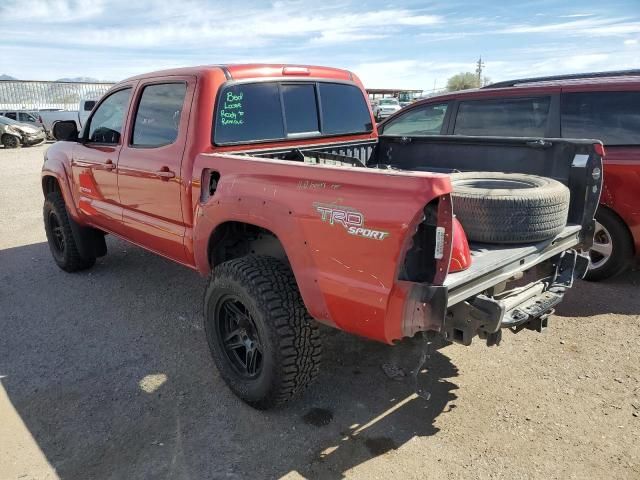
x: 289, y: 338
x: 68, y: 257
x: 509, y: 207
x: 622, y: 252
x: 9, y: 141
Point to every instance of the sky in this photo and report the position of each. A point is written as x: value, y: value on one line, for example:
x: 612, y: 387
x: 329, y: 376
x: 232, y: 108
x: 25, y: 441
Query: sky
x: 387, y: 44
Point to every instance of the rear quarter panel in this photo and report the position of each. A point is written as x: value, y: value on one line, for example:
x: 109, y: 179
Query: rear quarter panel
x: 345, y: 280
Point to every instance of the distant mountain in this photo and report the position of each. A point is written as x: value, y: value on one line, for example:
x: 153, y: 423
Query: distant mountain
x: 7, y: 77
x: 79, y: 79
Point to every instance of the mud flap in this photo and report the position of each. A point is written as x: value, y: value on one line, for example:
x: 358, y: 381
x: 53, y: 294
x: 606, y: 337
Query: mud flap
x: 90, y: 241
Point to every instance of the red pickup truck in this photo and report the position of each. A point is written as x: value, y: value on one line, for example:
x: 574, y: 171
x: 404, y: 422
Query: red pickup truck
x: 272, y: 180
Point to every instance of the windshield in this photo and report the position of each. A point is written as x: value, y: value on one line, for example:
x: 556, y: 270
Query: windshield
x: 267, y: 111
x: 388, y: 101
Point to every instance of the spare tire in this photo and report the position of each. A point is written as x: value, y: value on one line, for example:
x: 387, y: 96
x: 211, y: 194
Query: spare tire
x: 509, y: 207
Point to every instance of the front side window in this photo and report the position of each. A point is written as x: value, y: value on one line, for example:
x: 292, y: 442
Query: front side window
x: 269, y: 111
x: 425, y: 120
x: 105, y: 126
x: 25, y: 117
x: 613, y: 117
x: 504, y: 117
x: 158, y: 117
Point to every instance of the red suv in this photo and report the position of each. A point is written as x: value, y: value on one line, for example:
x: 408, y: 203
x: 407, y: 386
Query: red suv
x: 604, y: 106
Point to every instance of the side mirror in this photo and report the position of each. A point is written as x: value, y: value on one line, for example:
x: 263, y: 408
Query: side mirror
x: 65, y: 130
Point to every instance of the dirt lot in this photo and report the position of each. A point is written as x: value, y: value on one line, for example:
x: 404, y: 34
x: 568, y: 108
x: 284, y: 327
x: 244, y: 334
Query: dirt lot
x: 106, y: 374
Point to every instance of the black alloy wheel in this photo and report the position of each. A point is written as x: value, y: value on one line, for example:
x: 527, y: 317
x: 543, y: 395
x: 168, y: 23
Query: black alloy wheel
x: 238, y: 335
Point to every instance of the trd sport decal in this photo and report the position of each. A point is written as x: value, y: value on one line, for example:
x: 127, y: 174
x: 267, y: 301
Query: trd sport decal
x: 351, y: 219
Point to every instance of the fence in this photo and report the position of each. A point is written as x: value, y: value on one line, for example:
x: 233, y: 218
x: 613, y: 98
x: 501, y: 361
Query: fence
x: 40, y: 95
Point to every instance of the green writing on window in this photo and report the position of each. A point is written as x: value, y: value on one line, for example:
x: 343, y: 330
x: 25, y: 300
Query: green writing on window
x: 232, y: 112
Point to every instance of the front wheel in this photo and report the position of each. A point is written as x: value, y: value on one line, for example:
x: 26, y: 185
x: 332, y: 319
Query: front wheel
x: 60, y: 236
x: 9, y: 141
x: 612, y: 249
x: 263, y: 342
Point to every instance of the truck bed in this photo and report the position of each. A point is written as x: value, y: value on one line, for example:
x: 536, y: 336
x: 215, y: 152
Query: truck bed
x: 563, y: 160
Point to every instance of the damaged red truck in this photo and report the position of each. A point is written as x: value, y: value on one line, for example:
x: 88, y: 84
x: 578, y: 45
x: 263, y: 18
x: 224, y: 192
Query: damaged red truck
x: 272, y: 180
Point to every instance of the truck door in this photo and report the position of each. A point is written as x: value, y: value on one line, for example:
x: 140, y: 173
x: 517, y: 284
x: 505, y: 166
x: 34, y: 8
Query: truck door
x: 94, y: 162
x: 149, y: 179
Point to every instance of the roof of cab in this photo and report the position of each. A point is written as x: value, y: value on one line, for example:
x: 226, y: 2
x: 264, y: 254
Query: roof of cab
x: 253, y: 70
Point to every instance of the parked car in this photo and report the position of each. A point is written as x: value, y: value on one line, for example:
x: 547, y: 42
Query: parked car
x: 79, y: 116
x: 385, y: 107
x: 15, y: 134
x: 24, y: 116
x: 316, y: 219
x: 603, y: 106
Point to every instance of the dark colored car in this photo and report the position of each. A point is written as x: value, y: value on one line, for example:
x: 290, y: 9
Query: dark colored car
x: 604, y: 106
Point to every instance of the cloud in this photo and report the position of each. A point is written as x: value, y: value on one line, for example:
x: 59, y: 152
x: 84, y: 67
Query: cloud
x: 189, y: 23
x: 589, y: 27
x: 51, y: 11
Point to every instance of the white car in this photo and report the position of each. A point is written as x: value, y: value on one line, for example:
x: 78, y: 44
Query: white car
x: 385, y: 107
x: 79, y: 116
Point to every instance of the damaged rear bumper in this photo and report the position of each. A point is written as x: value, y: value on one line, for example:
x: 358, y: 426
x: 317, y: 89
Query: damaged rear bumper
x: 529, y: 306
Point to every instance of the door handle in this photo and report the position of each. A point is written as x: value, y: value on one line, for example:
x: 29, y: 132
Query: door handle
x: 165, y: 174
x: 108, y: 165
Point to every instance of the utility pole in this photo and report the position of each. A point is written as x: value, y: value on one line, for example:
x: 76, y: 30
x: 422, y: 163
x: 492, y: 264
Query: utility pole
x: 479, y: 67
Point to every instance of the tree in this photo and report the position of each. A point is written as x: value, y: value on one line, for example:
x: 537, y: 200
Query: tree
x: 462, y: 81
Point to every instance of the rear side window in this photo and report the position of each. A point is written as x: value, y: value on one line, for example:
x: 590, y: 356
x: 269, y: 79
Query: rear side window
x: 25, y: 117
x: 505, y: 117
x: 267, y: 111
x: 424, y: 120
x: 158, y: 117
x: 11, y: 115
x: 613, y: 117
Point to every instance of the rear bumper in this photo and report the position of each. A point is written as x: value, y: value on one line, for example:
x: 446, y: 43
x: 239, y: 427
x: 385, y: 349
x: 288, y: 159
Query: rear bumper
x: 479, y: 313
x: 525, y: 307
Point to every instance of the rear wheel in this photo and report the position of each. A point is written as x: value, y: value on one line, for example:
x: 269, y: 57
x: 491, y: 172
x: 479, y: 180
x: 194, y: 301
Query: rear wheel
x: 612, y: 249
x: 60, y: 236
x: 263, y: 341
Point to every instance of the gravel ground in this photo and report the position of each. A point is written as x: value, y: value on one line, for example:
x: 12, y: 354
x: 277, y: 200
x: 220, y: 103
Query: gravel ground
x: 106, y: 374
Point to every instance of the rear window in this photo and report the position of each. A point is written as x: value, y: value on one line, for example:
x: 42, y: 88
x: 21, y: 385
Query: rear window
x: 268, y: 111
x: 613, y: 117
x: 300, y: 108
x: 505, y: 117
